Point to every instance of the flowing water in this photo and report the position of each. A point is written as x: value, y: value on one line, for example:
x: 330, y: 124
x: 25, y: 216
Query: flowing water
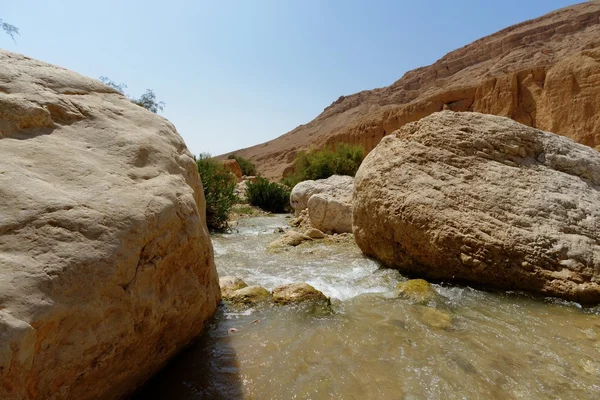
x: 468, y: 344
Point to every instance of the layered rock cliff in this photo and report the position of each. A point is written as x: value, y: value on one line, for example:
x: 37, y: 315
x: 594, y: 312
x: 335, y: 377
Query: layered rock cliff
x: 543, y: 73
x: 106, y: 265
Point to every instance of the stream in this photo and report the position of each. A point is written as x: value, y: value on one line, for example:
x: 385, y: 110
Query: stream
x: 471, y: 344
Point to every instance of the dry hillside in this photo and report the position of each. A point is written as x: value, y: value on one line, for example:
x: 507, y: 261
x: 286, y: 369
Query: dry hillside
x: 543, y: 72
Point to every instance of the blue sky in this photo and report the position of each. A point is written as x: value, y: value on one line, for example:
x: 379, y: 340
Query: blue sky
x: 238, y: 73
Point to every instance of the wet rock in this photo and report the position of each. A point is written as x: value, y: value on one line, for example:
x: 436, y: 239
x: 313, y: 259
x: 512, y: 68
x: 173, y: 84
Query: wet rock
x: 314, y: 233
x: 290, y: 238
x: 298, y: 293
x: 483, y: 199
x: 230, y: 284
x: 436, y: 318
x: 249, y: 295
x: 417, y: 290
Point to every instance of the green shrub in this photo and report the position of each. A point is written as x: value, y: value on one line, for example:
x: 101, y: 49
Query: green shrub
x: 246, y: 165
x: 343, y: 160
x: 219, y: 186
x: 269, y: 196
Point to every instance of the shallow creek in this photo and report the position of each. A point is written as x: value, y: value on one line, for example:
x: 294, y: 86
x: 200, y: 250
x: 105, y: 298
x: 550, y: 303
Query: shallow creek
x: 494, y: 346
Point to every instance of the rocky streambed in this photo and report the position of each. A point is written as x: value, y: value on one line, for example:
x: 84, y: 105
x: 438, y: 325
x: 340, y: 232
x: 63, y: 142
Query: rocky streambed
x: 457, y: 343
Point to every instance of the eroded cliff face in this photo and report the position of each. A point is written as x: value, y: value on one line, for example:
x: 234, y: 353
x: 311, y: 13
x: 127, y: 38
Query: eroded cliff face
x: 543, y: 73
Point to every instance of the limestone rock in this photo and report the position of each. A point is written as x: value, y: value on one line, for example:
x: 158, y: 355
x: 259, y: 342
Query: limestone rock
x: 233, y: 167
x: 483, y: 199
x: 106, y: 265
x: 240, y: 191
x: 314, y: 233
x: 249, y: 295
x: 418, y: 290
x: 301, y: 221
x: 289, y: 238
x: 338, y: 186
x: 330, y: 214
x: 293, y: 293
x: 230, y: 284
x: 544, y: 73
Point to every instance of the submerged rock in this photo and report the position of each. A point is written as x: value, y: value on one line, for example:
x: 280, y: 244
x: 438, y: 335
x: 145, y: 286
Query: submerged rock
x: 436, y: 318
x: 106, y: 265
x: 483, y: 199
x: 229, y: 284
x: 298, y: 293
x: 249, y: 295
x: 417, y: 290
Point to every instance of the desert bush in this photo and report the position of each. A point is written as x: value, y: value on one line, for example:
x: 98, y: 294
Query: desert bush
x: 270, y: 196
x: 344, y: 159
x: 147, y: 100
x: 219, y: 186
x: 246, y: 165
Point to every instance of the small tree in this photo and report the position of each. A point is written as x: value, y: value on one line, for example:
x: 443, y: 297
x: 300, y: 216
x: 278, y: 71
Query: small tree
x: 247, y: 167
x: 120, y: 86
x: 147, y: 100
x: 9, y: 29
x: 219, y: 190
x: 269, y: 196
x: 344, y: 159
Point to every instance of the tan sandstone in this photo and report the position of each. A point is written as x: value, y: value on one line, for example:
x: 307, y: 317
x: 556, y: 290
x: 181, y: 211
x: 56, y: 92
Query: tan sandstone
x: 106, y: 265
x: 249, y: 295
x: 230, y: 284
x: 301, y: 292
x: 234, y: 167
x: 483, y: 199
x: 544, y: 73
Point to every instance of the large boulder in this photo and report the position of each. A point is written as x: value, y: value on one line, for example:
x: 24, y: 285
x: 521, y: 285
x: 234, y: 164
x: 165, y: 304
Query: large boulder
x: 106, y: 265
x: 483, y: 199
x: 330, y: 214
x: 328, y: 201
x: 339, y: 186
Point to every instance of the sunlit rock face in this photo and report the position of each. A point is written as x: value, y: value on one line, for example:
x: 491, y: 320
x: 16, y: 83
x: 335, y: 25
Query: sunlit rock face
x: 106, y: 266
x: 483, y: 199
